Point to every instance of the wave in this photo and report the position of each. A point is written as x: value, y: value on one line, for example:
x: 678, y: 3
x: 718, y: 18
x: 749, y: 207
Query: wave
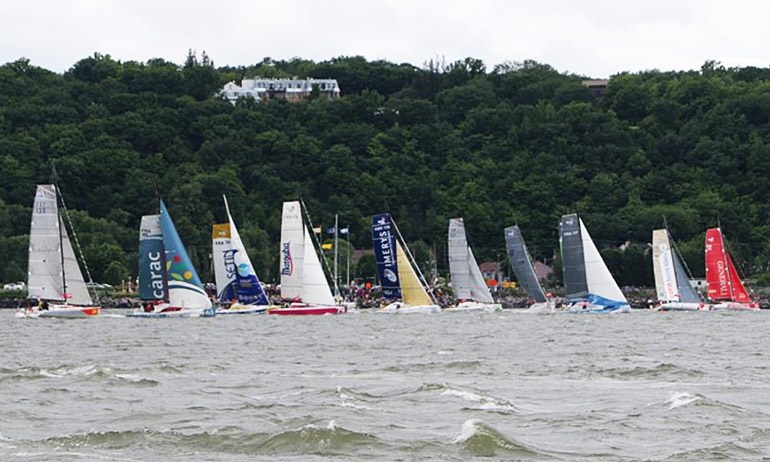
x: 662, y: 370
x: 481, y: 440
x: 683, y: 399
x: 486, y: 402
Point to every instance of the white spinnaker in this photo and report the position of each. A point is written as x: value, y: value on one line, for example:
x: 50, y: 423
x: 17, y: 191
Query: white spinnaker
x: 315, y: 287
x: 44, y: 277
x: 663, y: 267
x: 598, y: 277
x: 459, y: 268
x: 480, y: 291
x: 292, y: 251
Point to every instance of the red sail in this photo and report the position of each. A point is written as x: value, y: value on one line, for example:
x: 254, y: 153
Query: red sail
x: 739, y: 292
x: 717, y: 273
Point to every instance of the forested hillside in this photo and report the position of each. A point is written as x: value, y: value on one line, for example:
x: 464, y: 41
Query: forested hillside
x: 517, y: 143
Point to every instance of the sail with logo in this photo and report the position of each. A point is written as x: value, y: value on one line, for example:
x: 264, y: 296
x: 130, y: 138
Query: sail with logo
x: 725, y: 287
x: 470, y: 289
x: 400, y: 282
x: 169, y: 286
x: 238, y: 286
x: 303, y: 281
x: 589, y: 285
x: 521, y: 262
x: 672, y: 283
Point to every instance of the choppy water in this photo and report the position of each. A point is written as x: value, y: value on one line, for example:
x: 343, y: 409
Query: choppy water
x: 452, y: 386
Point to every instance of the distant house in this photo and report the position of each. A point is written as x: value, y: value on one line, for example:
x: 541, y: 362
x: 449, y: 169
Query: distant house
x: 288, y: 89
x: 597, y: 86
x: 491, y: 270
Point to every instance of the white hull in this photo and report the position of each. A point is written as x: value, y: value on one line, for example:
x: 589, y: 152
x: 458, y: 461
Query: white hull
x: 61, y: 312
x: 585, y: 307
x: 237, y: 308
x: 542, y: 307
x: 400, y: 308
x: 683, y: 306
x: 476, y: 306
x: 166, y: 311
x: 736, y: 306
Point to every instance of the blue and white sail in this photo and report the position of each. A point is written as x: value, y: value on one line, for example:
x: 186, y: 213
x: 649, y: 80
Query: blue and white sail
x: 153, y: 283
x: 185, y: 289
x: 384, y: 241
x: 248, y: 288
x: 586, y: 277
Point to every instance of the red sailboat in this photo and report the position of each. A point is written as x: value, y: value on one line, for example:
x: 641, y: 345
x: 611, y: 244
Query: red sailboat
x: 724, y: 285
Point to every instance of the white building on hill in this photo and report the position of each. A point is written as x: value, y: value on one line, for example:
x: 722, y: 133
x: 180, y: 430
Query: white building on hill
x: 289, y: 89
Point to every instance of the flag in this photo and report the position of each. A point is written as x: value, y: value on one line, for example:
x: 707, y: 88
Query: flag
x: 317, y: 230
x: 329, y: 230
x: 326, y: 246
x: 344, y: 231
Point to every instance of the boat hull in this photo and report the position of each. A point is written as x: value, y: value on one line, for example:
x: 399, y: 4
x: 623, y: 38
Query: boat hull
x: 237, y: 308
x: 753, y: 306
x: 70, y: 312
x: 476, y: 306
x: 541, y: 307
x: 307, y: 310
x: 173, y: 312
x: 590, y: 308
x: 400, y: 308
x: 683, y: 306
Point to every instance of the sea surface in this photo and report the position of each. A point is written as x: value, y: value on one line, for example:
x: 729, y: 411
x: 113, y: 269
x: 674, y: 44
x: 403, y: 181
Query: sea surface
x: 446, y: 387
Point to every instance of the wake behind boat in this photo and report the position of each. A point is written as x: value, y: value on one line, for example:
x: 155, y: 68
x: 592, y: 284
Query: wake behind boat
x: 590, y: 288
x: 468, y: 284
x: 168, y: 283
x: 398, y: 278
x: 54, y: 276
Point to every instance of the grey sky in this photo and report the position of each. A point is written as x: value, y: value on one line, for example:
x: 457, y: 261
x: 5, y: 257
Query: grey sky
x: 595, y: 38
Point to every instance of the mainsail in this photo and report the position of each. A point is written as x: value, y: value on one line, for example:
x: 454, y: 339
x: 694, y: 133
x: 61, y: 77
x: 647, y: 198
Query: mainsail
x: 185, y: 289
x: 412, y: 291
x: 223, y: 257
x: 522, y: 264
x: 53, y: 273
x: 384, y: 242
x: 721, y: 277
x: 153, y: 283
x: 573, y: 262
x: 671, y: 280
x: 467, y: 280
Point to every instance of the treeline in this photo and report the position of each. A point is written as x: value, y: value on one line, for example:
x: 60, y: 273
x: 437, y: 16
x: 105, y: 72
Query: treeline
x: 519, y: 143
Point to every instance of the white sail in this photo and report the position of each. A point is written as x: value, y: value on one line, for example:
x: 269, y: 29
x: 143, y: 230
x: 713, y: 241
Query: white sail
x: 224, y: 261
x: 479, y: 290
x: 598, y: 277
x: 663, y: 267
x: 75, y: 286
x: 292, y: 251
x: 44, y: 277
x: 315, y: 287
x: 459, y: 269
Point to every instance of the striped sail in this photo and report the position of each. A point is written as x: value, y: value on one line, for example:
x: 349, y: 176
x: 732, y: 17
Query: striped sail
x: 522, y: 264
x: 185, y: 289
x: 412, y: 291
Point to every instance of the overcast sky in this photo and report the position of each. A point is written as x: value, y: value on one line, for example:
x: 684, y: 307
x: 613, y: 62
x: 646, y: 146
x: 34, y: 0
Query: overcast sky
x: 595, y: 38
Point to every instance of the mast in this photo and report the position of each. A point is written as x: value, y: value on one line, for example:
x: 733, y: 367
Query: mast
x: 59, y: 224
x: 336, y: 241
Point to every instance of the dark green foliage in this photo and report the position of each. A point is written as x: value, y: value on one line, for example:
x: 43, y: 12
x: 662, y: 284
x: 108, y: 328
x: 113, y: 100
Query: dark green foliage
x: 520, y: 144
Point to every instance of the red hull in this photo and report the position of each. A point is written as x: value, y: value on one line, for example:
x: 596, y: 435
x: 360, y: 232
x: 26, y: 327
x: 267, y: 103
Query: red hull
x: 307, y: 310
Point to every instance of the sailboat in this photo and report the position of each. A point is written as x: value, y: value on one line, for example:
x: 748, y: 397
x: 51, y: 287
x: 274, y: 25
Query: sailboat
x: 672, y: 284
x: 54, y: 277
x: 724, y: 285
x: 169, y: 286
x: 470, y: 289
x: 303, y: 281
x: 590, y: 288
x: 520, y: 261
x: 236, y: 278
x: 398, y: 278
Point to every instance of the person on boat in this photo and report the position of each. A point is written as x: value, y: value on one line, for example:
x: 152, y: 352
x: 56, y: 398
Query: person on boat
x: 148, y: 308
x: 43, y: 305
